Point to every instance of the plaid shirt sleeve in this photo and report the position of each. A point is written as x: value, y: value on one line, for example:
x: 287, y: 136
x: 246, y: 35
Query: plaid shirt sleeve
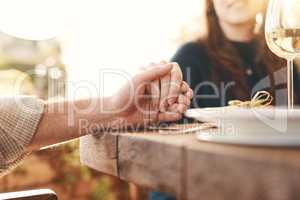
x: 19, y: 118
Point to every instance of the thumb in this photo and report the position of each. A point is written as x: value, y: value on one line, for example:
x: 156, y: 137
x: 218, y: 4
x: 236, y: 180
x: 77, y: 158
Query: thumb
x: 155, y: 72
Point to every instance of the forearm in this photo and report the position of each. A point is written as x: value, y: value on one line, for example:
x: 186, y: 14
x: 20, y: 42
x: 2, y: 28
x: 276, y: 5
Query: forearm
x: 67, y: 120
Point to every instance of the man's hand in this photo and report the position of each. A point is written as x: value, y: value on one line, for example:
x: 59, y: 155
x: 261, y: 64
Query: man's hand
x: 136, y: 104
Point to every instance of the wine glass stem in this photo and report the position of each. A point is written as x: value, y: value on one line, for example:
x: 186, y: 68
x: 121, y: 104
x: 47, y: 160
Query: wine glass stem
x: 290, y: 83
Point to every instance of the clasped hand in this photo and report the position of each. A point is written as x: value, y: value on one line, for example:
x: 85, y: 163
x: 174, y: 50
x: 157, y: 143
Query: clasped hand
x: 156, y: 94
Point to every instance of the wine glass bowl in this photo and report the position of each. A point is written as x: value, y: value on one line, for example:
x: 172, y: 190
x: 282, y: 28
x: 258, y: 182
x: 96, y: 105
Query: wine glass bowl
x: 282, y: 32
x: 283, y: 28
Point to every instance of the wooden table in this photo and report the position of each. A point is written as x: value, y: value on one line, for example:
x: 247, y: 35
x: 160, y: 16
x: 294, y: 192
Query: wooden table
x: 189, y: 169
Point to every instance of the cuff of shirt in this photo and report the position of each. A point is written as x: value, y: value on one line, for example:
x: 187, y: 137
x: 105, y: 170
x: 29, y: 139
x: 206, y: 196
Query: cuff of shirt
x: 19, y: 119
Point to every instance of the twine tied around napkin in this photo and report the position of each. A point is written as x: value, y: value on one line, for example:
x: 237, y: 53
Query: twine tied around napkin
x: 260, y: 99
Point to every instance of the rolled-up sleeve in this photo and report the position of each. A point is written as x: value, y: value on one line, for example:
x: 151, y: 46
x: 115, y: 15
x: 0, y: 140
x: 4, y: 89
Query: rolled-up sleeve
x: 19, y: 119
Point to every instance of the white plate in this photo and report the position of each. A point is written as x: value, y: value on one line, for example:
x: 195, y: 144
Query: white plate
x: 283, y: 141
x: 264, y: 126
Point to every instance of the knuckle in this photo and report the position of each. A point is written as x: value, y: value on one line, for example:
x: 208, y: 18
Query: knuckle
x: 177, y: 75
x: 176, y: 69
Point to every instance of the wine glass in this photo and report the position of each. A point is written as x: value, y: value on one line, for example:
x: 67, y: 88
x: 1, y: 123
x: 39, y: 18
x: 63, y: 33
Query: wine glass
x: 283, y: 36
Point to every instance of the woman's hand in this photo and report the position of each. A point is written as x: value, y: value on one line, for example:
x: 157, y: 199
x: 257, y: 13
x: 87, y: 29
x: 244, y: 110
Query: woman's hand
x: 175, y: 94
x: 170, y: 87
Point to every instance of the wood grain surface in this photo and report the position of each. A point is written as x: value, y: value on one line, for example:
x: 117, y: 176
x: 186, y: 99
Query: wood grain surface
x: 181, y: 165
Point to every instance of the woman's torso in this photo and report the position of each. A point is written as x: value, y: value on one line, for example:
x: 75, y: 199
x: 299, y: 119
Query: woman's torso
x: 198, y: 71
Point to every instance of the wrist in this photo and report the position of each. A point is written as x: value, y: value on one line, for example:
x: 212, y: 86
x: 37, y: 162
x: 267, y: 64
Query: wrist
x: 104, y: 115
